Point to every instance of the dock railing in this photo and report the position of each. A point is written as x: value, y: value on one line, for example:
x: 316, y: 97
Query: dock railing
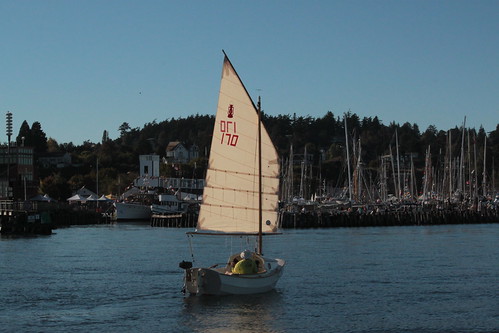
x: 9, y: 207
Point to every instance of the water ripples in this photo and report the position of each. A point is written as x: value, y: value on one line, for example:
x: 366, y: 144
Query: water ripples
x: 126, y: 278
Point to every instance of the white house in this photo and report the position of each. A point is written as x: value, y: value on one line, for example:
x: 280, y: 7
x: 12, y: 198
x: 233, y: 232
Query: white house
x: 176, y: 152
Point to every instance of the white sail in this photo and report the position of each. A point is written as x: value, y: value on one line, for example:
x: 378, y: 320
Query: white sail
x: 231, y: 195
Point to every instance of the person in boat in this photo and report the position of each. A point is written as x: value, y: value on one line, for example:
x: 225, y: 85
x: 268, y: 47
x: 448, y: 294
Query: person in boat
x: 246, y: 265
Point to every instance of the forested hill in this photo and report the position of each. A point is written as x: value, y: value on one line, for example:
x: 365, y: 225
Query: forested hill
x: 322, y: 139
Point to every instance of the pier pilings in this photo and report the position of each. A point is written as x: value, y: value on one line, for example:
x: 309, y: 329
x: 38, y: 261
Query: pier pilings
x: 181, y: 220
x: 344, y: 219
x: 338, y: 219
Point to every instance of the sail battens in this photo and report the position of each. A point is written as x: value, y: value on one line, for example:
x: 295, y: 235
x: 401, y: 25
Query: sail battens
x: 240, y: 207
x: 240, y: 190
x: 215, y: 233
x: 239, y: 166
x: 252, y: 174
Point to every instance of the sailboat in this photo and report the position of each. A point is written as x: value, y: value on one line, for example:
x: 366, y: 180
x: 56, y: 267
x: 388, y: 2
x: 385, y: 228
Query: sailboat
x: 240, y: 197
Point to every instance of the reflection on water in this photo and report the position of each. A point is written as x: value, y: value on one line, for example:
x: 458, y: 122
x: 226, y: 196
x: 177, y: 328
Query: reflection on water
x: 237, y: 313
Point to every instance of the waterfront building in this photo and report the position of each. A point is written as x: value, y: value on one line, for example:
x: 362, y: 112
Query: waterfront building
x: 148, y: 172
x: 149, y: 177
x: 176, y: 152
x: 17, y: 173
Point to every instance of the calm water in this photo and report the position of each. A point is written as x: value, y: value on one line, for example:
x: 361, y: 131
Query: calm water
x: 125, y: 278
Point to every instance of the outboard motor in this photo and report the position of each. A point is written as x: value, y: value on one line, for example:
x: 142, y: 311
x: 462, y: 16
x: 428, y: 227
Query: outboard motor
x: 185, y: 264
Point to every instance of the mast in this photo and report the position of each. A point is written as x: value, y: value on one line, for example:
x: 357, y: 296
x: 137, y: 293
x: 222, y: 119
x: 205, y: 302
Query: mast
x: 450, y: 164
x: 384, y: 179
x: 493, y: 184
x: 259, y: 177
x: 470, y: 188
x: 393, y: 171
x: 413, y: 190
x: 290, y: 175
x: 302, y: 175
x: 348, y: 162
x: 358, y: 190
x: 310, y: 177
x: 440, y: 176
x: 461, y: 161
x: 475, y: 180
x: 398, y: 164
x: 484, y: 181
x: 429, y: 174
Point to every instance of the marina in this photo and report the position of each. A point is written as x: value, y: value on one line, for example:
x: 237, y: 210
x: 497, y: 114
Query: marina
x: 17, y: 218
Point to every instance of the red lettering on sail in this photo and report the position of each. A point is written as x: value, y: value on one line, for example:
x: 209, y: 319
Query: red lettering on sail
x: 230, y: 111
x: 228, y: 130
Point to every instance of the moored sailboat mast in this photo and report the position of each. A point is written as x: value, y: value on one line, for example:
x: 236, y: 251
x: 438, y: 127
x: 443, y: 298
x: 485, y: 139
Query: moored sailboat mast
x: 348, y: 162
x: 484, y: 181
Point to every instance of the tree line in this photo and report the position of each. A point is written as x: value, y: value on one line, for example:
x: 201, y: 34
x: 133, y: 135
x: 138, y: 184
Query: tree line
x: 321, y: 138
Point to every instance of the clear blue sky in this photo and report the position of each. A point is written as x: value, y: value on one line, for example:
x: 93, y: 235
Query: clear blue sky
x: 82, y: 67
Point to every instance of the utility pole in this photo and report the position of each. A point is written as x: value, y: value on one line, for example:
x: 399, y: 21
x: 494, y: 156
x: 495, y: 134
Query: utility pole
x: 8, y: 117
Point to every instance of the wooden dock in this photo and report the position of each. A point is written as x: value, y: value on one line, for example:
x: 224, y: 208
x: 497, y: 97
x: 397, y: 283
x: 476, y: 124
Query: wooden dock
x: 180, y: 220
x: 40, y: 218
x: 22, y: 218
x: 388, y: 218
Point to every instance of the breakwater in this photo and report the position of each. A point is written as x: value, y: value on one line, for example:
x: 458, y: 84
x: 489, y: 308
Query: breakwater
x: 337, y: 219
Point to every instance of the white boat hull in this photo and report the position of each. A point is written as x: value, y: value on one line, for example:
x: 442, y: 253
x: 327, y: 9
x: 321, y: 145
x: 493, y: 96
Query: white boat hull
x: 219, y: 281
x: 132, y: 211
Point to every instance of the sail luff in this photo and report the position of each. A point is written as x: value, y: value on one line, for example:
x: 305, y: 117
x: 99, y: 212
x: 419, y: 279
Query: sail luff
x: 226, y: 59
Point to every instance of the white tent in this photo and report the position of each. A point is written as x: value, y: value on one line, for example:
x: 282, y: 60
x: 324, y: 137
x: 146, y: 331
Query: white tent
x: 76, y: 198
x: 104, y: 198
x: 92, y: 197
x: 39, y: 197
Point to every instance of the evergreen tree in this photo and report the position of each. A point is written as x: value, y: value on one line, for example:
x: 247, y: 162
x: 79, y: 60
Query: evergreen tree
x: 105, y: 136
x: 39, y: 138
x: 124, y: 128
x: 24, y: 136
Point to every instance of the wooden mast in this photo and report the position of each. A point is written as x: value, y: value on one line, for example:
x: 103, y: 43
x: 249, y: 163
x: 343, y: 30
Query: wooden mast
x: 259, y: 177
